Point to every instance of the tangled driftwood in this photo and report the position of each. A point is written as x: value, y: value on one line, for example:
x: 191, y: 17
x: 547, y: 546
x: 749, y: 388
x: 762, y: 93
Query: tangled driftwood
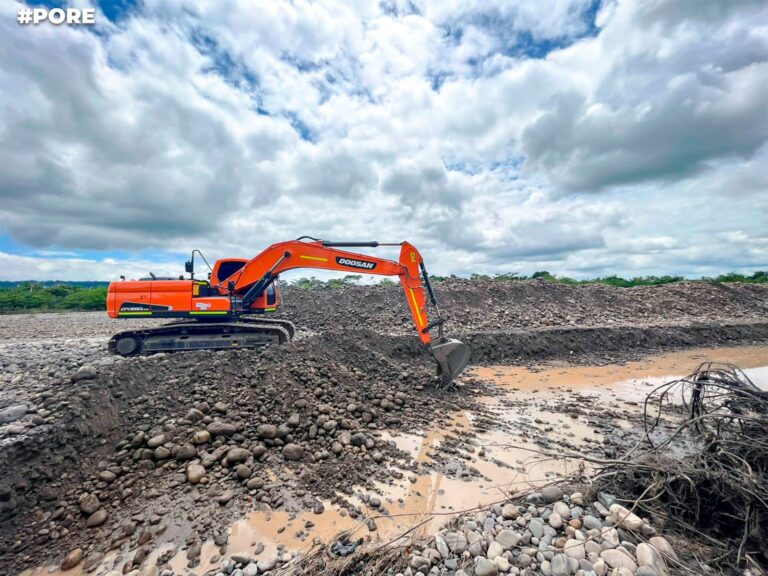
x: 710, y: 475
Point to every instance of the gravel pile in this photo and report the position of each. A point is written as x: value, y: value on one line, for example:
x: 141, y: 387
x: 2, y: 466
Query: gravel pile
x: 487, y: 305
x: 169, y: 435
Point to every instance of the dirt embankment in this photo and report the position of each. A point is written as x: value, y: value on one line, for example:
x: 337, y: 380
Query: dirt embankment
x: 106, y: 453
x: 476, y: 306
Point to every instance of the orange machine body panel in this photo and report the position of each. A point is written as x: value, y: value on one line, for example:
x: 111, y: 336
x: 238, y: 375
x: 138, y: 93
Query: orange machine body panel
x: 178, y: 299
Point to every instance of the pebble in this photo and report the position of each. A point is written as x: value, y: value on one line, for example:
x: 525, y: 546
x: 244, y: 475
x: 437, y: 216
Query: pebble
x: 201, y: 437
x: 72, y: 559
x: 85, y: 372
x: 195, y: 473
x: 509, y: 512
x: 293, y: 452
x: 662, y: 545
x: 559, y: 565
x: 616, y: 558
x: 647, y: 555
x: 97, y: 518
x: 267, y: 564
x: 551, y: 494
x: 485, y: 567
x: 575, y: 549
x: 555, y: 520
x: 508, y: 539
x: 624, y: 518
x: 13, y: 413
x: 494, y: 549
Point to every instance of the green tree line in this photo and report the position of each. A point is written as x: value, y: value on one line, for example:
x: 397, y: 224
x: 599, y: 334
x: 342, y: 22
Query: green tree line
x: 33, y: 296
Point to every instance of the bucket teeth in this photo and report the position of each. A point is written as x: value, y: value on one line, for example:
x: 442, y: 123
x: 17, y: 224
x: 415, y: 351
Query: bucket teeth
x: 452, y: 356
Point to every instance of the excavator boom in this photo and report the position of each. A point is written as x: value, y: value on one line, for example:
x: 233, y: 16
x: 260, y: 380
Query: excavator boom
x: 243, y: 292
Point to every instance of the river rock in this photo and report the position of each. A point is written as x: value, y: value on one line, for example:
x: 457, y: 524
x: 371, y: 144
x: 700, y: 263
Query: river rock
x: 663, y: 546
x: 508, y: 539
x: 89, y: 503
x: 617, y: 559
x: 494, y: 549
x: 156, y: 441
x: 236, y: 455
x: 267, y: 563
x: 647, y: 555
x: 293, y: 452
x: 536, y: 527
x: 624, y: 518
x: 13, y: 413
x: 509, y: 512
x: 107, y: 476
x: 575, y: 549
x: 358, y: 439
x: 268, y: 431
x: 485, y: 567
x: 96, y: 519
x: 242, y: 471
x: 219, y: 428
x: 559, y: 565
x: 184, y: 452
x: 201, y: 437
x: 555, y: 520
x: 551, y: 494
x: 85, y: 372
x: 72, y: 559
x: 195, y: 473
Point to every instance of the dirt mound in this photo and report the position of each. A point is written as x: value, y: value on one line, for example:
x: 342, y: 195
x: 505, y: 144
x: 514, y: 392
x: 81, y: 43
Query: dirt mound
x: 492, y: 305
x: 283, y: 427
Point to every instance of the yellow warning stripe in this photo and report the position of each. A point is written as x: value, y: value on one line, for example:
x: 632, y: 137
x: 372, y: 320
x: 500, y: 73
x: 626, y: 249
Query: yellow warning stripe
x: 416, y: 306
x: 314, y: 258
x: 208, y: 312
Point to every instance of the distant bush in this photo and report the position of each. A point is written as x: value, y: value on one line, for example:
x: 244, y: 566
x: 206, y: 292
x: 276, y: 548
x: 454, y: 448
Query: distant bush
x: 31, y: 296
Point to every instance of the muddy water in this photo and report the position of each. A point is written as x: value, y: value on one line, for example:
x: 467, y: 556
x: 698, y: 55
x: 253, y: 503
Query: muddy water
x: 570, y: 408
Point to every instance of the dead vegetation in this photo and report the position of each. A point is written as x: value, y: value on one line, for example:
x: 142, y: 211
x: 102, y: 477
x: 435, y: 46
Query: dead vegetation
x: 709, y: 477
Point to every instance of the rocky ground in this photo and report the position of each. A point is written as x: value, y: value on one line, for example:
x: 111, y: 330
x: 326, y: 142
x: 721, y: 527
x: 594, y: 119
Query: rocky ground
x: 548, y: 533
x: 101, y: 453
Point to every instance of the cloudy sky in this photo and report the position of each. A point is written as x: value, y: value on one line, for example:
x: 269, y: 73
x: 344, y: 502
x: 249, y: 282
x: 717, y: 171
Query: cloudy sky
x: 583, y: 137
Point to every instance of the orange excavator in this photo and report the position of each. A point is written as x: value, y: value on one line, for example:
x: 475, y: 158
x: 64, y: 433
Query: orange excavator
x: 227, y: 310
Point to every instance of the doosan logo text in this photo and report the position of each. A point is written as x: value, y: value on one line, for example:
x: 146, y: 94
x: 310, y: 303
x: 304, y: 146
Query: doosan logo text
x: 355, y: 263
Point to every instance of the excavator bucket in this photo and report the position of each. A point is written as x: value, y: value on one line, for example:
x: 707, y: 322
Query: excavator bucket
x: 452, y: 357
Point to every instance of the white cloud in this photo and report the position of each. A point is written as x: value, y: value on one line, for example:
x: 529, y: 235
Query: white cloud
x: 496, y: 136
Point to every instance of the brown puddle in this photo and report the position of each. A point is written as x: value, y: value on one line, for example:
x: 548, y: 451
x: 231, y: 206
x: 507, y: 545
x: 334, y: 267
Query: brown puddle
x: 553, y: 401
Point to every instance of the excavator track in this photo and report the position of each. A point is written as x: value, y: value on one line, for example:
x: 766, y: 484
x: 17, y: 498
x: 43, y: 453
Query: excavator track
x: 190, y: 335
x: 289, y: 326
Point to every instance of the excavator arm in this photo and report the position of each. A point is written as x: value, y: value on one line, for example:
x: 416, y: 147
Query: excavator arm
x: 257, y: 274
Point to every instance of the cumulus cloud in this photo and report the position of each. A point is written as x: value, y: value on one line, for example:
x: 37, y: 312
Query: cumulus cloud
x: 579, y: 136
